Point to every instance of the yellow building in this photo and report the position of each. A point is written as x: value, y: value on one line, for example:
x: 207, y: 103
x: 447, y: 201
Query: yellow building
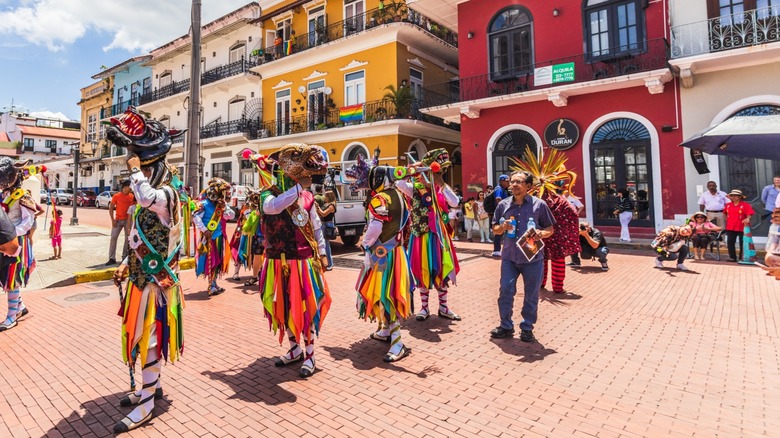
x: 94, y: 99
x: 348, y: 75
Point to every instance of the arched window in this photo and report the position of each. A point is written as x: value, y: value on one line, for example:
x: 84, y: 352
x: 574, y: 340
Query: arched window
x: 510, y: 36
x: 416, y: 150
x: 510, y: 144
x: 614, y: 28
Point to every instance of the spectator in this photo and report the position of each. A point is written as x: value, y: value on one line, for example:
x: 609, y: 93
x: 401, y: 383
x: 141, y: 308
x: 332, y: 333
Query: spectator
x: 670, y: 244
x: 642, y: 205
x: 594, y: 245
x: 278, y: 45
x: 501, y: 192
x: 713, y: 202
x: 624, y: 210
x: 118, y: 212
x: 514, y: 263
x: 769, y: 197
x: 454, y: 215
x: 469, y: 210
x: 326, y: 209
x: 483, y: 218
x: 738, y: 214
x: 702, y: 234
x: 55, y: 234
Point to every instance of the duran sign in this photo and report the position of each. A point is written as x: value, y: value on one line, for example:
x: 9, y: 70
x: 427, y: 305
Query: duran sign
x: 561, y: 134
x: 554, y: 74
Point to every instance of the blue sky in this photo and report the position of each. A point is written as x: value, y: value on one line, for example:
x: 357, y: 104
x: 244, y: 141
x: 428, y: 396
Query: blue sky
x: 50, y: 49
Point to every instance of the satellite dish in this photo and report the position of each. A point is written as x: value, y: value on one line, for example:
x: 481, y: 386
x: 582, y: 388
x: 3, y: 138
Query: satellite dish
x: 328, y: 90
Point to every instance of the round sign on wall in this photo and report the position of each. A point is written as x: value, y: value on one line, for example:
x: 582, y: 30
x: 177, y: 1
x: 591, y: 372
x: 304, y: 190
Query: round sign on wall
x: 561, y: 134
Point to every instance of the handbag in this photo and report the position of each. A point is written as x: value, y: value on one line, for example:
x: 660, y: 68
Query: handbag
x: 330, y: 231
x: 483, y: 216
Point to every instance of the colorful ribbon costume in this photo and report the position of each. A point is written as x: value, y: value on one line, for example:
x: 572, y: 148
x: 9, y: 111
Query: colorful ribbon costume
x: 385, y: 283
x: 21, y: 209
x: 152, y: 310
x: 295, y: 296
x: 431, y: 253
x: 211, y: 216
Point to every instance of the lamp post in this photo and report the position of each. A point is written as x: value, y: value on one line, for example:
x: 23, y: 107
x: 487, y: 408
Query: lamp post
x: 76, y: 162
x: 377, y: 151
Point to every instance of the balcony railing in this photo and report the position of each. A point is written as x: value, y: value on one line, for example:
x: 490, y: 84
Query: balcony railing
x: 745, y: 29
x: 112, y: 151
x: 119, y: 108
x: 166, y: 91
x: 647, y: 56
x: 226, y: 71
x: 240, y: 126
x: 345, y: 28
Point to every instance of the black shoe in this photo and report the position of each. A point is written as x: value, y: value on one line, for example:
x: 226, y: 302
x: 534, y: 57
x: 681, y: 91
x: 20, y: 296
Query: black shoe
x: 500, y: 332
x: 731, y: 260
x: 527, y: 336
x: 604, y: 267
x: 132, y: 399
x: 111, y: 262
x: 23, y: 312
x: 575, y: 265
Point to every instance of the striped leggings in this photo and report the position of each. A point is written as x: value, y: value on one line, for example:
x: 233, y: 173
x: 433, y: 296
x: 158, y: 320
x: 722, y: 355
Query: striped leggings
x: 558, y: 274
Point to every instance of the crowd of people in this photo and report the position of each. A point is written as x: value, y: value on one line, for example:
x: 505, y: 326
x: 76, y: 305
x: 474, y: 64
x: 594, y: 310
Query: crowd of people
x: 283, y: 236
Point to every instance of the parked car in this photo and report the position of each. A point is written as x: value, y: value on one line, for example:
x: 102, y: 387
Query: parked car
x: 85, y: 198
x: 104, y: 198
x: 44, y: 196
x: 62, y: 196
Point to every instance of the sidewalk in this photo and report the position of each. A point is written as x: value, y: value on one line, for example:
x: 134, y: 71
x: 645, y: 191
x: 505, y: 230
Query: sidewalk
x: 634, y: 351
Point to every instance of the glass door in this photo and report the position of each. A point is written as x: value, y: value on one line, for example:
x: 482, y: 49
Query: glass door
x: 354, y: 21
x: 283, y: 112
x: 617, y: 166
x: 317, y: 31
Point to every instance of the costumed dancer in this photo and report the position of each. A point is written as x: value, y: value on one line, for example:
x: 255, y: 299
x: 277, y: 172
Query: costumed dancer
x: 210, y: 218
x: 431, y: 253
x: 565, y: 240
x: 385, y: 283
x: 153, y: 302
x: 21, y: 209
x: 239, y: 243
x: 253, y: 230
x: 295, y: 296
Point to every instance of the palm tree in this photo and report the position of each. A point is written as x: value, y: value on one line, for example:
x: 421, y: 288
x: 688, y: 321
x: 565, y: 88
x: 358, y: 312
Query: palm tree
x: 401, y: 98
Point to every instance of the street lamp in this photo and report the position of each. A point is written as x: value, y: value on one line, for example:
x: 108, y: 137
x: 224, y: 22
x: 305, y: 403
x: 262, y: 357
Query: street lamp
x: 377, y: 151
x: 76, y: 162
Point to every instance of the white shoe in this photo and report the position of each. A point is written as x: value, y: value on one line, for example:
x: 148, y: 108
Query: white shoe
x: 455, y: 238
x: 496, y: 254
x: 483, y: 241
x: 682, y: 267
x: 659, y: 264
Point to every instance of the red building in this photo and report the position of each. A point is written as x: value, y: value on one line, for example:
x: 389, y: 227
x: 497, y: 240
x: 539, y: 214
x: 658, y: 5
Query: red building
x: 596, y: 68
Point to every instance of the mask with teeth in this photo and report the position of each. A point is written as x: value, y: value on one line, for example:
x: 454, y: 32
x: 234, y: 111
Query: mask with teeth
x: 147, y: 138
x: 300, y: 160
x: 218, y: 189
x: 440, y: 156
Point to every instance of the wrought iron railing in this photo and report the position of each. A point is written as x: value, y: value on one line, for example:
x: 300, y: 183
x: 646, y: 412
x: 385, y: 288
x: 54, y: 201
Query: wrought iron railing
x: 347, y: 27
x: 226, y: 71
x: 119, y: 108
x: 744, y: 29
x: 167, y: 91
x: 240, y: 126
x: 648, y: 55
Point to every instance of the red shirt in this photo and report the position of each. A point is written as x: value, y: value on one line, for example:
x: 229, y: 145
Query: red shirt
x: 735, y: 214
x: 122, y: 203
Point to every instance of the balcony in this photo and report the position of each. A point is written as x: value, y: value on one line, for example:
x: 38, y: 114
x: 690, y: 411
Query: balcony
x: 167, y: 91
x: 648, y: 56
x: 119, y: 108
x: 334, y: 118
x: 225, y: 71
x: 348, y: 27
x: 746, y: 29
x: 240, y: 126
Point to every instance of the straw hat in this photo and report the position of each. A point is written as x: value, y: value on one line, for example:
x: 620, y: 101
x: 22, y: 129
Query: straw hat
x: 698, y: 213
x: 736, y: 192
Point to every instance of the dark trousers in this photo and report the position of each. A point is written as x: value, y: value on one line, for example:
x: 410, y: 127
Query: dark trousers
x: 497, y: 242
x: 731, y: 242
x: 682, y: 254
x: 600, y: 253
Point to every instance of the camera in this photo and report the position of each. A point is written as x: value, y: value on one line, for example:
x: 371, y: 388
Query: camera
x: 583, y: 227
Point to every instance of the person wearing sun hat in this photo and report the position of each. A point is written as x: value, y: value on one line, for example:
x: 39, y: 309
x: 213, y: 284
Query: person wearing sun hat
x: 702, y: 233
x: 738, y: 214
x: 153, y: 302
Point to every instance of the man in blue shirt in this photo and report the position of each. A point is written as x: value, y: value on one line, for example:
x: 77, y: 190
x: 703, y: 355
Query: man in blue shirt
x: 769, y: 197
x: 514, y: 263
x: 501, y: 192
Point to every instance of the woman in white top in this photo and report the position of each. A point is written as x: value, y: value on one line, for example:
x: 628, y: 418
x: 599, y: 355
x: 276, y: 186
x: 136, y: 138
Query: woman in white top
x: 483, y: 218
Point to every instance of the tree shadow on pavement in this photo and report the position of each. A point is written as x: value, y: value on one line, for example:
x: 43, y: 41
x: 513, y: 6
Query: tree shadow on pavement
x: 97, y: 417
x: 259, y: 381
x: 367, y: 354
x: 429, y: 330
x: 527, y: 351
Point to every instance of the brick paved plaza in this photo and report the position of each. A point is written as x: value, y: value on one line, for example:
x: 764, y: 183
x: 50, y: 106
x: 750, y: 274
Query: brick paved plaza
x: 635, y: 351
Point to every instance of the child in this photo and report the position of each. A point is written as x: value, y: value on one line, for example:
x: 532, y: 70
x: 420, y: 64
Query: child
x: 55, y: 234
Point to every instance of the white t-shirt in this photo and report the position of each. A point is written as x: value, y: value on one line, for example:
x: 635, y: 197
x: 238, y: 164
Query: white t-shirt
x: 716, y: 202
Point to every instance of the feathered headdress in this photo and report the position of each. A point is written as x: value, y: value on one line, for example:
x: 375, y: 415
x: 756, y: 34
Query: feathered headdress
x: 264, y: 165
x: 547, y: 173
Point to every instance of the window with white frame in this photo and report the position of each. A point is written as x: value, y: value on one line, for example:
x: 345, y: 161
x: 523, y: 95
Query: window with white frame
x: 355, y: 88
x: 91, y: 127
x: 283, y: 112
x: 51, y: 145
x: 317, y: 108
x: 614, y: 27
x: 29, y: 144
x: 147, y: 85
x: 317, y: 26
x: 236, y: 109
x: 222, y: 170
x: 237, y: 53
x: 165, y: 79
x: 354, y: 16
x: 283, y: 29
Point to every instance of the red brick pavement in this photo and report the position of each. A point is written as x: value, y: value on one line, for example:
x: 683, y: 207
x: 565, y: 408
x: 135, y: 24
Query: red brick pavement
x: 635, y: 351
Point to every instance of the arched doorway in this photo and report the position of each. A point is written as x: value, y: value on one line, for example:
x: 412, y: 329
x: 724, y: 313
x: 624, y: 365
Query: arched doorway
x: 750, y: 175
x: 510, y: 144
x: 620, y: 157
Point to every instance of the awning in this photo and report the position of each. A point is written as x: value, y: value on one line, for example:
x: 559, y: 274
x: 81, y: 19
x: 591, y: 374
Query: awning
x: 740, y: 136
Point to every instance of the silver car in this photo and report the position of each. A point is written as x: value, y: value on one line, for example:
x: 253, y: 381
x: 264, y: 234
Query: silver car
x: 62, y: 196
x: 104, y: 198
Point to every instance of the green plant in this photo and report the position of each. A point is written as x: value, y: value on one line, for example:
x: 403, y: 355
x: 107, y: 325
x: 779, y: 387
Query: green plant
x: 321, y: 126
x: 401, y: 98
x: 390, y: 11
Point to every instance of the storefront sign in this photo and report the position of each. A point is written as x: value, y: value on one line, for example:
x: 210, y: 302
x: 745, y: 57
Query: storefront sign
x: 554, y: 74
x: 699, y: 162
x: 561, y: 134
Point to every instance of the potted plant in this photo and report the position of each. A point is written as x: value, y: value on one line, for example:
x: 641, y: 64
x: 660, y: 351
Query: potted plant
x: 401, y: 98
x: 396, y: 9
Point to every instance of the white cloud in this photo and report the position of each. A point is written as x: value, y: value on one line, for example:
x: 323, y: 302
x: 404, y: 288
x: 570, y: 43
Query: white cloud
x: 49, y: 115
x: 137, y: 26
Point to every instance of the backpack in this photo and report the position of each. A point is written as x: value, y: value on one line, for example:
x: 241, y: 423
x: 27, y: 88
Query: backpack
x: 489, y: 204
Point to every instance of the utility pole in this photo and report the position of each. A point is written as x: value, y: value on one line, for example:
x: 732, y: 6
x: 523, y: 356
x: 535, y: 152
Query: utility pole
x: 192, y: 165
x: 76, y: 162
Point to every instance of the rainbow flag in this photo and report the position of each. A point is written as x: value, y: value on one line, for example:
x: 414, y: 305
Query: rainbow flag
x: 352, y: 113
